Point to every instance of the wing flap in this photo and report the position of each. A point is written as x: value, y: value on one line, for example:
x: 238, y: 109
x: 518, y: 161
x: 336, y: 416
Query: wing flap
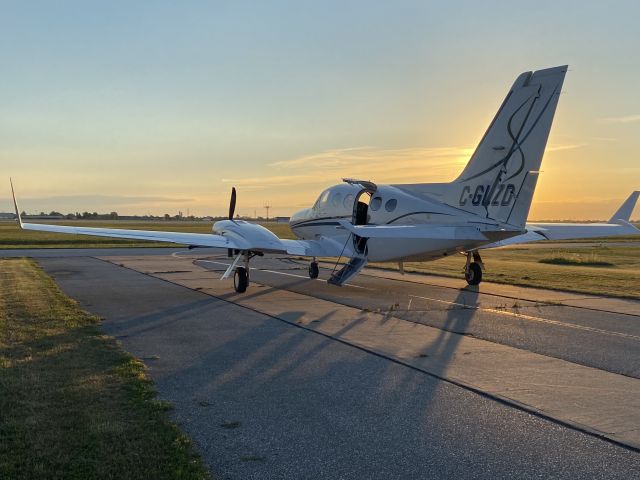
x: 323, y: 247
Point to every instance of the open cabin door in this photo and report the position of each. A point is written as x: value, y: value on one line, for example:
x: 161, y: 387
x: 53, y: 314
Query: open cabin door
x: 361, y: 212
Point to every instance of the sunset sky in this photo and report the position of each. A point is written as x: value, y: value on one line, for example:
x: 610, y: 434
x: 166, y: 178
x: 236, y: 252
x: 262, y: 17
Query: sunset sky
x: 159, y: 106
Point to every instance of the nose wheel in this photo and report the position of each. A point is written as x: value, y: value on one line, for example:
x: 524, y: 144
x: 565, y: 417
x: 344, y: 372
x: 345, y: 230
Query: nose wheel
x: 473, y: 269
x: 313, y: 269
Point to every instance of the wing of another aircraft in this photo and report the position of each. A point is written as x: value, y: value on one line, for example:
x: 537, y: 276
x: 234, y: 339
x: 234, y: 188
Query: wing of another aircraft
x: 617, y: 225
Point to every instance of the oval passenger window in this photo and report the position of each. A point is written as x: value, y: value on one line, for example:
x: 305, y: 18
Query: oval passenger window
x: 335, y: 200
x: 390, y: 206
x: 375, y: 203
x: 348, y: 202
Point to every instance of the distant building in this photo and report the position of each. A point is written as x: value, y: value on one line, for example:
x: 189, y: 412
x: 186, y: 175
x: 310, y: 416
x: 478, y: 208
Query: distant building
x: 282, y: 219
x: 7, y: 216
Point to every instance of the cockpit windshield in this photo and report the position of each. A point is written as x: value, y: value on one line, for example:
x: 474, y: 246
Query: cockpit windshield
x: 322, y: 199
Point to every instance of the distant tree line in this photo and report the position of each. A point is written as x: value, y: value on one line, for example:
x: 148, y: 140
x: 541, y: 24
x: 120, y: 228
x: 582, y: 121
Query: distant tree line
x: 112, y: 216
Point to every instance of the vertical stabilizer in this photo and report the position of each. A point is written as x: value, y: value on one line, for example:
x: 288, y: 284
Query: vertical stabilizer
x: 626, y: 209
x: 500, y: 178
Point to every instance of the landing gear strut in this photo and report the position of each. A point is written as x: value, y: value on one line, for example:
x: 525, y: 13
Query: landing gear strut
x: 240, y: 274
x: 313, y: 269
x: 473, y: 269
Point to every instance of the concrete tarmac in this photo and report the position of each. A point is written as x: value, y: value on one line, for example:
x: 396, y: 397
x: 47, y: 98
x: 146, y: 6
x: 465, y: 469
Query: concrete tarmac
x: 265, y: 399
x: 295, y: 393
x: 541, y: 384
x: 604, y: 336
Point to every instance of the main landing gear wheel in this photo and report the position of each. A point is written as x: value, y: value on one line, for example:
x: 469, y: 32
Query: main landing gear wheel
x: 241, y: 279
x: 313, y: 270
x: 473, y: 274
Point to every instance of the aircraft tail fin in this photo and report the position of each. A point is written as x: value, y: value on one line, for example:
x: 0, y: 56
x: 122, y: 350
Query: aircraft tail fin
x: 500, y: 178
x: 626, y: 209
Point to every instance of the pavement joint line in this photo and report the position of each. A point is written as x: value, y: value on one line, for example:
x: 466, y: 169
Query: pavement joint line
x: 533, y: 318
x: 495, y: 396
x: 369, y: 273
x: 490, y: 310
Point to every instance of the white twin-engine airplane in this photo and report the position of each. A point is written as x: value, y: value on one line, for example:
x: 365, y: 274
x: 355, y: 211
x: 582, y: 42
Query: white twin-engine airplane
x: 485, y: 207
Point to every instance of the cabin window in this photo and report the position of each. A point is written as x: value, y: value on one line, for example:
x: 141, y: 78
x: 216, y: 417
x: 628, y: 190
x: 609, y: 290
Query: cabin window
x: 348, y: 202
x: 336, y: 198
x: 391, y: 205
x: 375, y: 204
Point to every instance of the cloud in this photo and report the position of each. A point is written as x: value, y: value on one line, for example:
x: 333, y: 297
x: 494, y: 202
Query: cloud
x: 358, y: 155
x: 561, y: 147
x: 108, y: 199
x: 633, y: 118
x: 259, y: 183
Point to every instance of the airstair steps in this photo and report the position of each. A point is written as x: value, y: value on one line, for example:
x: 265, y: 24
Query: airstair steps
x: 348, y: 271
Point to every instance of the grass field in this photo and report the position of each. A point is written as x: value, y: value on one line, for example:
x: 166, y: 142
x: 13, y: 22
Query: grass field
x: 602, y: 270
x: 73, y: 405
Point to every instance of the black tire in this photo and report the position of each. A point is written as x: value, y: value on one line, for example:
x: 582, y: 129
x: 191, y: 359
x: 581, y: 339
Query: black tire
x: 473, y: 276
x: 313, y: 270
x: 240, y: 280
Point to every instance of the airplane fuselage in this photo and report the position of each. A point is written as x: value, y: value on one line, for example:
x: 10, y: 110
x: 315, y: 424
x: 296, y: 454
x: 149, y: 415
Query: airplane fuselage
x: 391, y: 205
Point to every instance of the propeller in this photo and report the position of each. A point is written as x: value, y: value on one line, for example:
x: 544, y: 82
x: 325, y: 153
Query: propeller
x: 232, y: 203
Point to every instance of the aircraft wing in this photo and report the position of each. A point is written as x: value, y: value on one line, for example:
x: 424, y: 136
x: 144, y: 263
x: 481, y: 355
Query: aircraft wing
x: 323, y: 247
x: 617, y: 225
x: 239, y: 236
x: 196, y: 239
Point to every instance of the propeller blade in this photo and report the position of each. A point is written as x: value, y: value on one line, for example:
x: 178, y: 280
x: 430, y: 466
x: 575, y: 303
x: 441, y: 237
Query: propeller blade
x: 232, y: 203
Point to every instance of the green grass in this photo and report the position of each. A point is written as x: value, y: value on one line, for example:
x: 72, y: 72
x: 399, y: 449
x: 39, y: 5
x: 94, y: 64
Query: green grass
x: 579, y: 260
x: 73, y: 405
x: 522, y: 266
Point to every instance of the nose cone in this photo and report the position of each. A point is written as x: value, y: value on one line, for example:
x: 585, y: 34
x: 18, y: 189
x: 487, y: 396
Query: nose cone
x: 300, y: 215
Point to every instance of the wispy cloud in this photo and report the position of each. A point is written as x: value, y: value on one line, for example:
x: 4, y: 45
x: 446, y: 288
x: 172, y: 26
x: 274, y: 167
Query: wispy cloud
x: 258, y: 183
x: 388, y: 165
x: 633, y: 118
x: 357, y: 155
x: 568, y: 146
x: 109, y: 199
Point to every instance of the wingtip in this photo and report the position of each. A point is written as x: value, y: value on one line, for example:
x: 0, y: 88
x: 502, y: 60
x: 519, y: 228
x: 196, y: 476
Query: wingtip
x: 15, y: 203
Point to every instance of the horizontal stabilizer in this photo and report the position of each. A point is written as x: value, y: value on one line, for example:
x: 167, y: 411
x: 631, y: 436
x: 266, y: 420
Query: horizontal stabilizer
x: 414, y: 231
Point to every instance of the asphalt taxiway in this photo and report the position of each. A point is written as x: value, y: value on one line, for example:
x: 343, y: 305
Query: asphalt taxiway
x: 387, y: 378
